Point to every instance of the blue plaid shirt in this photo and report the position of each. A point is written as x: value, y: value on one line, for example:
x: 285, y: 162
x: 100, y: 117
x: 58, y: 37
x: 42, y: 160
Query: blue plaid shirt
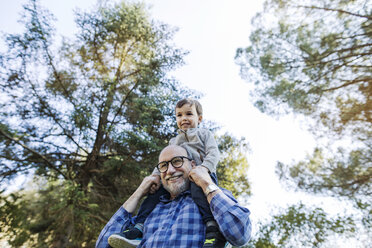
x: 178, y: 223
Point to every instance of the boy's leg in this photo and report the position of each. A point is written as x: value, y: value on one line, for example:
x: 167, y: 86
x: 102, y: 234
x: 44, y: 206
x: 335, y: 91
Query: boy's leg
x: 149, y: 203
x: 214, y: 238
x: 214, y: 178
x: 200, y: 199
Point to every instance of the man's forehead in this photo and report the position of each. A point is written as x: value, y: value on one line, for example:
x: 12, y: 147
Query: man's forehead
x: 172, y: 151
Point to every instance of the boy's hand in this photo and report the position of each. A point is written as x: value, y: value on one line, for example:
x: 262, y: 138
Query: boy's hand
x: 142, y: 190
x: 147, y: 184
x: 200, y: 176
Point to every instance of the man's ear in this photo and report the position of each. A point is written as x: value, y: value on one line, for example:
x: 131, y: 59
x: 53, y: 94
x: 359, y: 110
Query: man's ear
x: 200, y: 119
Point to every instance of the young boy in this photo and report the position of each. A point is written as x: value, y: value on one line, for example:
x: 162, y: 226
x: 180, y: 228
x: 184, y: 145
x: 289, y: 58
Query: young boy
x: 203, y: 148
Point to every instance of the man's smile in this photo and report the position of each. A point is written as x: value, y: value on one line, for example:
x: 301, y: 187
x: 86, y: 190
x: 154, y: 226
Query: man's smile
x: 174, y: 177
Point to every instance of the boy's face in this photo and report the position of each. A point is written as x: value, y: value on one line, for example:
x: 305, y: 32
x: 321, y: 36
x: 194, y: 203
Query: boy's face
x: 187, y: 117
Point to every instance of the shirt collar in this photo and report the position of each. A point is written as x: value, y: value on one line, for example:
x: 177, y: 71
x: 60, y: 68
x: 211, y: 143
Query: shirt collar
x: 179, y: 131
x: 166, y: 198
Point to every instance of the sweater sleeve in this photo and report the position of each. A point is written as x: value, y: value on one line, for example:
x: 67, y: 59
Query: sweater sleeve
x: 211, y: 150
x: 172, y: 141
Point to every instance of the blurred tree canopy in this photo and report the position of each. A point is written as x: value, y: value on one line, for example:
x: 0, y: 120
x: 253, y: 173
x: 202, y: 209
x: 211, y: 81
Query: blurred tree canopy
x: 299, y: 226
x: 314, y: 58
x: 233, y: 165
x: 87, y: 120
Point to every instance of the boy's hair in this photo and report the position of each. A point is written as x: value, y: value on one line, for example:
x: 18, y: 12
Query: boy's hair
x: 191, y: 102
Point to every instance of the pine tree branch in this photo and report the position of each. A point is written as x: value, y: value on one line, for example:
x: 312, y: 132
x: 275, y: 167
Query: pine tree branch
x: 125, y: 98
x: 52, y: 115
x: 98, y: 218
x: 355, y: 81
x: 343, y: 57
x: 335, y: 10
x: 49, y: 57
x: 50, y: 165
x: 345, y: 50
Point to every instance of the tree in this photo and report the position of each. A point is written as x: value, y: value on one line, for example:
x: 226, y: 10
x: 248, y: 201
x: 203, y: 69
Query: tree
x: 233, y: 165
x: 87, y: 120
x: 299, y: 226
x: 314, y: 58
x: 346, y: 176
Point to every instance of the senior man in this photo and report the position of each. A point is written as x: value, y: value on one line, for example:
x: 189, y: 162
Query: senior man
x: 176, y: 221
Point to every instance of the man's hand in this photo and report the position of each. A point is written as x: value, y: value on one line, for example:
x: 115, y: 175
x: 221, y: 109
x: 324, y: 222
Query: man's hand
x: 155, y: 186
x: 145, y: 187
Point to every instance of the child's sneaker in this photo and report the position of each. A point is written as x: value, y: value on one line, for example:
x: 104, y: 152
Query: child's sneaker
x: 131, y: 237
x: 213, y: 237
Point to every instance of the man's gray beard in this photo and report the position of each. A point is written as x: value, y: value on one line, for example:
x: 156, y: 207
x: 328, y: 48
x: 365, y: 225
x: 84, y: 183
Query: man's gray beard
x: 175, y: 190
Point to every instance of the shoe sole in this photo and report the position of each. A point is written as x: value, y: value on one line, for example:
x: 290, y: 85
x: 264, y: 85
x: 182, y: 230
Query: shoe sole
x: 117, y: 241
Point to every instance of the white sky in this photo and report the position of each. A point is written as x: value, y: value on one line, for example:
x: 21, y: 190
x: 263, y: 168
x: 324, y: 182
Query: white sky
x: 212, y: 30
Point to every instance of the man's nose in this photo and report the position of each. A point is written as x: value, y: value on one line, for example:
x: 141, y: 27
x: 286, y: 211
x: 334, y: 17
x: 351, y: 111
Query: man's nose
x: 171, y: 169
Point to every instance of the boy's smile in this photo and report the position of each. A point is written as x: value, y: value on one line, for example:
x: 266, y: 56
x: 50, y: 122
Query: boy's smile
x: 187, y: 117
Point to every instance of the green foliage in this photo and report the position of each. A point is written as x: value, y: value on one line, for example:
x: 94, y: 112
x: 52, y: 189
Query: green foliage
x: 299, y: 226
x: 233, y: 166
x: 329, y: 176
x: 13, y: 219
x: 87, y: 119
x: 54, y: 211
x: 91, y: 117
x: 314, y: 58
x: 344, y: 175
x: 317, y: 66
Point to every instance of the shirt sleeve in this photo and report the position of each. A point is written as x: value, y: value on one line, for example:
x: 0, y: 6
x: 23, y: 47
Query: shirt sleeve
x: 233, y: 219
x: 116, y: 224
x: 211, y: 150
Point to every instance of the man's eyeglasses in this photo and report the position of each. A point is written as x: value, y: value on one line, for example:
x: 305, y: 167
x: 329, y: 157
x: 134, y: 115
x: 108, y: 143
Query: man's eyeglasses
x: 176, y: 162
